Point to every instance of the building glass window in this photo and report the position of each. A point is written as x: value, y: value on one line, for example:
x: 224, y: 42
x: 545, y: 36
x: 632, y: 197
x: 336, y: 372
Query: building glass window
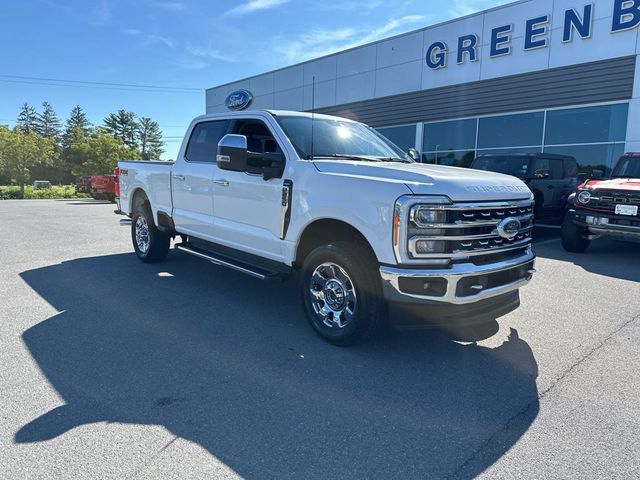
x: 492, y: 151
x: 595, y: 136
x: 591, y: 157
x: 454, y: 135
x: 404, y: 136
x: 519, y: 130
x: 603, y: 123
x: 460, y: 158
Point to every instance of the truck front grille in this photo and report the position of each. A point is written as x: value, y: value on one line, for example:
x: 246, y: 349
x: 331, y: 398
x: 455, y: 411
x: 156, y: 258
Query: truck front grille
x: 607, y: 200
x: 475, y: 231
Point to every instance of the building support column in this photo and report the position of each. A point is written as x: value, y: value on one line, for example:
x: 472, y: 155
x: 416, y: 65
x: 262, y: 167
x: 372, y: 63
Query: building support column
x: 633, y: 121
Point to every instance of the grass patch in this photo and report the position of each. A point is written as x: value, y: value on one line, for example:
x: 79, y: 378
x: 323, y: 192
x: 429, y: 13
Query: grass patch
x: 57, y: 191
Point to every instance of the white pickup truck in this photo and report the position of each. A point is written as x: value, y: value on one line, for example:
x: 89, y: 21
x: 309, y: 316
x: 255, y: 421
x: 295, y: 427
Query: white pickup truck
x: 269, y: 193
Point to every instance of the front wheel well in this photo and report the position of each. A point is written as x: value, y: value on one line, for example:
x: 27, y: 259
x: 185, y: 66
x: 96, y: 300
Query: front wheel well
x: 322, y: 232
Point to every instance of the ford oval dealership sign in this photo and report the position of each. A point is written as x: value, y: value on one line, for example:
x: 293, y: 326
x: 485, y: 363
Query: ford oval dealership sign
x: 239, y: 100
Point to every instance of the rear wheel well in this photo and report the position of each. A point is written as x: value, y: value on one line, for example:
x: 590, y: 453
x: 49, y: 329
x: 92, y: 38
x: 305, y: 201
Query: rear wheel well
x: 139, y: 198
x: 322, y: 232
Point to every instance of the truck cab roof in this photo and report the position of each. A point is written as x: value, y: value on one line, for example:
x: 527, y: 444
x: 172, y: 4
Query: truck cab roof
x: 270, y: 112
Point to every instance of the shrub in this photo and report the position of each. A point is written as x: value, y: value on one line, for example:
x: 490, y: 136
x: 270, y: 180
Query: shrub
x: 57, y: 191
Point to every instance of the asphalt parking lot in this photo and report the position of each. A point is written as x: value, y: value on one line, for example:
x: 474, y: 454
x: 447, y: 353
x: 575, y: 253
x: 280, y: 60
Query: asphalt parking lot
x: 111, y: 368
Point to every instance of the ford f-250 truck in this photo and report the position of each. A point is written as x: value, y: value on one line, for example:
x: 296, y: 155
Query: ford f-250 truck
x: 608, y: 207
x: 271, y: 192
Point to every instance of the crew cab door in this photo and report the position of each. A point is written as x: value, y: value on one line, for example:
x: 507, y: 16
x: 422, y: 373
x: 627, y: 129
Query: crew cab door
x: 192, y: 184
x: 248, y: 210
x: 549, y: 182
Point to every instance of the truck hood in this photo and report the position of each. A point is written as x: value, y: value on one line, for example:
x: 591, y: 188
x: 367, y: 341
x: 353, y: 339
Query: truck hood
x: 632, y: 184
x: 459, y: 184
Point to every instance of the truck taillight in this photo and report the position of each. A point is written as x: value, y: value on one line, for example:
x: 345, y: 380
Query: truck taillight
x: 116, y: 172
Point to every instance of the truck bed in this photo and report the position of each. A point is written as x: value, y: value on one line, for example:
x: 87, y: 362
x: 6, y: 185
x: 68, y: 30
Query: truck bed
x: 152, y: 176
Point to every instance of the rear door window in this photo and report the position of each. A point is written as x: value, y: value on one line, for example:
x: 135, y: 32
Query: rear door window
x: 203, y: 143
x: 557, y: 169
x: 570, y: 167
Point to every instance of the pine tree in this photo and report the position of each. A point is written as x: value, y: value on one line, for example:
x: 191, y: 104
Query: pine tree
x: 27, y: 118
x: 78, y: 119
x: 150, y: 137
x: 123, y: 126
x: 47, y: 123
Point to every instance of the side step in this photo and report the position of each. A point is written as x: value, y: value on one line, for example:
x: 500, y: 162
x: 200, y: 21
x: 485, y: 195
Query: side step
x: 225, y: 261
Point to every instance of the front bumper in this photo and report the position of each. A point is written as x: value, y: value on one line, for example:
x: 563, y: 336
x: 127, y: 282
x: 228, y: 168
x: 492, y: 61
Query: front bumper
x: 460, y: 284
x: 617, y: 226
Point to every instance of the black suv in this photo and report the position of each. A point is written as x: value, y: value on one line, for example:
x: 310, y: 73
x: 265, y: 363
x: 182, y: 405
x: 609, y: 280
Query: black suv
x: 551, y: 178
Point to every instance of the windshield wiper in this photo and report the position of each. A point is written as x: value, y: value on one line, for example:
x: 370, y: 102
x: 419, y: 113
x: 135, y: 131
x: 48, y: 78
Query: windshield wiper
x: 346, y: 157
x: 395, y: 159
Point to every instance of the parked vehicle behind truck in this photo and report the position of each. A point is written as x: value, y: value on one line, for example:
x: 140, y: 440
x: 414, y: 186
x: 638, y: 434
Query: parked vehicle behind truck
x: 551, y: 178
x: 103, y: 187
x: 268, y: 193
x: 605, y: 207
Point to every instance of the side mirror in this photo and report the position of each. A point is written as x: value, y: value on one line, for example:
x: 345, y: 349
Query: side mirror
x: 232, y: 153
x: 597, y: 174
x: 273, y: 165
x: 413, y: 154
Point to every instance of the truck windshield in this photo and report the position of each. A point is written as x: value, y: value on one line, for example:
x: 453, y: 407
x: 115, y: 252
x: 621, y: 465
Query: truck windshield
x: 516, y: 166
x: 339, y: 139
x: 628, y: 167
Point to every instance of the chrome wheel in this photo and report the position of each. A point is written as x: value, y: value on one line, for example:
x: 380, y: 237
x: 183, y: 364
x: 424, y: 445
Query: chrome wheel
x: 142, y: 234
x: 333, y: 296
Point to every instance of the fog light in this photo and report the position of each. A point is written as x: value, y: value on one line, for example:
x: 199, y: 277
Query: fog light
x: 429, y: 246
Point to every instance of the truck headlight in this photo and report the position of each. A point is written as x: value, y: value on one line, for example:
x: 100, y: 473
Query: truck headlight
x: 583, y: 197
x: 424, y: 214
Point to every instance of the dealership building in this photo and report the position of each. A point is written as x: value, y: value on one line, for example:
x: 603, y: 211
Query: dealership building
x: 557, y: 76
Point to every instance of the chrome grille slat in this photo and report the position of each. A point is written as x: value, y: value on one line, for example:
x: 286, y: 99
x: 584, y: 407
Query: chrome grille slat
x: 466, y: 231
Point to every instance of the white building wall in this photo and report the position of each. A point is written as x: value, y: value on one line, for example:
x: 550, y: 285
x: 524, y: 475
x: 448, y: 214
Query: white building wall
x: 397, y: 65
x: 633, y: 122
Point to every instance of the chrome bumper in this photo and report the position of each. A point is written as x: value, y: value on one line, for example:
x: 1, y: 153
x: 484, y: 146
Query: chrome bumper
x: 391, y: 280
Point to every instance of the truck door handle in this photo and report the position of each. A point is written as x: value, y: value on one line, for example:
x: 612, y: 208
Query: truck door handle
x: 179, y: 177
x: 222, y: 183
x: 549, y: 187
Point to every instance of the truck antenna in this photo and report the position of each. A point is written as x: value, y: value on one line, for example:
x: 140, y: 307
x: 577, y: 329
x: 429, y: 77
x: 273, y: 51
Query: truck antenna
x: 313, y: 107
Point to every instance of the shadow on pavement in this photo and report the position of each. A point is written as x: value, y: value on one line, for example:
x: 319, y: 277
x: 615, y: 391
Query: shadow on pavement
x: 604, y: 256
x: 230, y: 363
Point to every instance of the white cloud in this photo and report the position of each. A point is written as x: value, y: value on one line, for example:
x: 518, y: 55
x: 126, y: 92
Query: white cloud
x: 362, y: 7
x: 157, y: 40
x: 460, y: 8
x: 202, y: 54
x: 251, y: 6
x: 134, y: 32
x: 318, y: 43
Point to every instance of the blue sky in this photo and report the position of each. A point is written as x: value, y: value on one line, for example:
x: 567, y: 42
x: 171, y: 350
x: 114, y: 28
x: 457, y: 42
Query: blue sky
x: 181, y: 44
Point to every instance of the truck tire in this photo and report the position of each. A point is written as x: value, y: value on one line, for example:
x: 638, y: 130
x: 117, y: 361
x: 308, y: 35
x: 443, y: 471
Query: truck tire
x: 342, y: 293
x: 574, y: 237
x: 151, y: 245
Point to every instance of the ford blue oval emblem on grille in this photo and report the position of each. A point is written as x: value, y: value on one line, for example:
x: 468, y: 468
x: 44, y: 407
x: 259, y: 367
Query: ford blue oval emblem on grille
x: 238, y: 100
x: 509, y: 227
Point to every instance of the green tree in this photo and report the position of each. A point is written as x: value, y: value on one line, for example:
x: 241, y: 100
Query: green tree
x: 47, y: 123
x: 77, y: 120
x: 122, y: 125
x: 99, y: 154
x: 20, y: 152
x: 150, y: 138
x: 27, y: 118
